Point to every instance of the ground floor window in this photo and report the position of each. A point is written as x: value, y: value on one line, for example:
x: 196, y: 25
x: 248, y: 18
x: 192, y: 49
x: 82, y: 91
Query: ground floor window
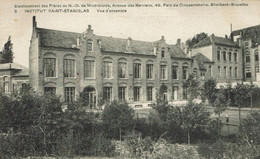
x: 248, y: 72
x: 137, y: 93
x: 185, y: 96
x: 149, y: 93
x: 174, y: 92
x: 49, y: 90
x: 107, y: 94
x: 69, y: 94
x: 121, y: 93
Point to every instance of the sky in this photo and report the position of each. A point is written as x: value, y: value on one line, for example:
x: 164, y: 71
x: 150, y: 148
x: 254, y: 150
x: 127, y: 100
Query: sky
x: 146, y: 24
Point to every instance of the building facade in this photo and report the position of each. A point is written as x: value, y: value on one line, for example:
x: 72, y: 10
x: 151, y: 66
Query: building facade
x: 105, y: 68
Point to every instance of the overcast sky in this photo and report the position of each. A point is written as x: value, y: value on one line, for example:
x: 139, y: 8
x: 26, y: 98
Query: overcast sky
x: 147, y: 24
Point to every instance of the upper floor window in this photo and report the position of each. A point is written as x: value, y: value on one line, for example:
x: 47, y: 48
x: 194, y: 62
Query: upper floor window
x: 69, y: 94
x: 149, y: 71
x: 174, y: 72
x: 256, y: 56
x: 163, y: 71
x: 137, y: 70
x: 89, y: 68
x: 121, y: 70
x: 248, y: 72
x: 49, y: 67
x: 202, y: 75
x: 184, y: 72
x: 107, y: 69
x: 235, y: 57
x: 195, y: 73
x: 69, y: 68
x: 163, y: 52
x: 224, y: 56
x: 89, y: 45
x: 218, y: 55
x: 247, y: 58
x: 230, y: 56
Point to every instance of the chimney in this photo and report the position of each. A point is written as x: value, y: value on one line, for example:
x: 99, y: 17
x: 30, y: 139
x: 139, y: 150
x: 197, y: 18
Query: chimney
x: 129, y: 41
x: 179, y: 42
x: 78, y: 41
x: 89, y: 30
x: 162, y: 39
x: 34, y: 23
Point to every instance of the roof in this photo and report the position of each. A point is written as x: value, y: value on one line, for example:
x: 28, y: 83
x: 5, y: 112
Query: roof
x: 250, y: 32
x: 64, y: 39
x: 212, y: 39
x: 201, y: 59
x: 19, y: 69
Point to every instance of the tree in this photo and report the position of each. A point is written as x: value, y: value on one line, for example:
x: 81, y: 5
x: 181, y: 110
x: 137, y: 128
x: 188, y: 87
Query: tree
x: 209, y: 90
x: 193, y: 87
x: 6, y: 56
x: 197, y: 38
x: 117, y: 118
x: 220, y: 105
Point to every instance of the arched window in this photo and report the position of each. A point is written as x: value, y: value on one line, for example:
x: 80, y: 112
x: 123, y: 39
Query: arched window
x: 69, y: 66
x: 137, y: 69
x: 224, y: 56
x: 163, y: 52
x: 49, y: 64
x: 149, y: 70
x: 107, y: 68
x: 122, y: 68
x: 89, y: 45
x: 89, y: 67
x: 218, y: 54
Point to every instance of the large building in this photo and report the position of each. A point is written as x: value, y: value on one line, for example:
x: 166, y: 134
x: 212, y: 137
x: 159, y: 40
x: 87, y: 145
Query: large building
x: 105, y: 68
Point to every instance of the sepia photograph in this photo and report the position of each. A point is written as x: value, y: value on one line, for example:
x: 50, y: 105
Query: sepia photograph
x: 159, y: 79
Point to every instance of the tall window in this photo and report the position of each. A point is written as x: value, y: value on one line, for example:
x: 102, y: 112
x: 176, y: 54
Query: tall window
x: 230, y: 71
x: 185, y: 95
x: 121, y: 93
x: 50, y: 67
x: 69, y: 94
x: 224, y: 56
x: 257, y: 69
x: 107, y: 94
x: 247, y: 58
x: 121, y: 70
x: 174, y: 72
x: 89, y: 68
x: 225, y: 71
x: 107, y: 69
x: 210, y: 70
x: 248, y: 72
x: 202, y: 75
x: 235, y: 57
x: 236, y: 72
x: 256, y: 56
x: 218, y: 55
x: 137, y: 93
x: 174, y: 92
x: 163, y: 72
x: 219, y: 71
x: 149, y: 93
x: 89, y: 45
x: 163, y: 52
x: 69, y: 68
x: 50, y: 90
x: 184, y: 72
x: 149, y: 71
x: 230, y: 56
x: 137, y: 70
x: 6, y: 87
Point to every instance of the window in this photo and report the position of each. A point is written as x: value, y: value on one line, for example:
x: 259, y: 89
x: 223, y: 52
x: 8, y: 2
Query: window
x: 137, y: 93
x: 210, y: 70
x: 225, y: 71
x: 184, y: 72
x: 107, y: 94
x: 224, y: 56
x: 50, y: 90
x: 219, y: 71
x: 137, y: 70
x: 69, y: 94
x: 247, y: 58
x: 235, y: 57
x: 121, y: 93
x: 185, y: 96
x: 218, y: 55
x: 69, y: 68
x: 89, y: 68
x: 49, y: 67
x: 257, y: 69
x: 89, y: 45
x: 6, y: 87
x: 149, y: 93
x: 174, y: 72
x: 256, y: 56
x: 230, y: 71
x: 236, y: 72
x: 248, y: 72
x: 230, y: 56
x: 174, y: 92
x: 163, y: 72
x: 121, y: 70
x: 149, y: 71
x: 195, y: 73
x: 202, y: 75
x: 163, y: 51
x: 107, y: 69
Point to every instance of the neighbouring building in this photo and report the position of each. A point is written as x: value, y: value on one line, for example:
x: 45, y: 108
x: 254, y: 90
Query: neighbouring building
x: 13, y: 77
x: 106, y: 68
x: 221, y: 59
x: 249, y: 41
